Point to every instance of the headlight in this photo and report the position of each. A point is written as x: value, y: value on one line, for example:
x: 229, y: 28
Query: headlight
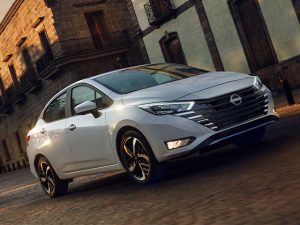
x: 257, y: 83
x: 165, y: 108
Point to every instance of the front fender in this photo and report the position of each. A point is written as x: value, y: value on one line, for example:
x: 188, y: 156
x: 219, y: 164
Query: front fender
x: 117, y: 119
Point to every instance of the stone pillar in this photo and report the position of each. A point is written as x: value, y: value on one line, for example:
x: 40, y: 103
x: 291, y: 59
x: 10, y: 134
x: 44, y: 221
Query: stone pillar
x: 137, y: 34
x: 211, y: 43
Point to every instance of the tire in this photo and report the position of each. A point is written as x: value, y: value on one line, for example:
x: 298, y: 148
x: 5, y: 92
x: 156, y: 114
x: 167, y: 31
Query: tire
x: 51, y: 184
x: 138, y: 159
x: 250, y: 138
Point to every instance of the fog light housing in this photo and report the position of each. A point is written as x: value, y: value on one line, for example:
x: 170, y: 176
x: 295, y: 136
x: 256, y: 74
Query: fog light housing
x: 174, y: 144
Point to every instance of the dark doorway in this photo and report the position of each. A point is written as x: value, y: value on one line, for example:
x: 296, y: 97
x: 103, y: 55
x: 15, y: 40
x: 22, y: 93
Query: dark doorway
x: 14, y: 78
x: 254, y: 34
x: 172, y: 49
x: 98, y: 28
x: 44, y: 41
x: 27, y: 58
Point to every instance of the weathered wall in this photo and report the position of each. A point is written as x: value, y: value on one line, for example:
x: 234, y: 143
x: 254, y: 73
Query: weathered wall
x: 189, y: 31
x: 191, y: 37
x: 283, y: 26
x: 226, y: 36
x: 21, y: 25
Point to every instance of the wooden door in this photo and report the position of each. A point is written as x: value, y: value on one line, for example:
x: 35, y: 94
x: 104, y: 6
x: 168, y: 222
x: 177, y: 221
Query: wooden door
x: 175, y: 51
x: 98, y: 29
x: 254, y: 34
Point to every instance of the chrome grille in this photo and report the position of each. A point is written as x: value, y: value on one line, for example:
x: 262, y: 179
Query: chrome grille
x: 220, y: 113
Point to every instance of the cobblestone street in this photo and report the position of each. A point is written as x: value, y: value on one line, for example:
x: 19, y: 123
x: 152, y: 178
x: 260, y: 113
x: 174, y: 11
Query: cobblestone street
x: 254, y: 185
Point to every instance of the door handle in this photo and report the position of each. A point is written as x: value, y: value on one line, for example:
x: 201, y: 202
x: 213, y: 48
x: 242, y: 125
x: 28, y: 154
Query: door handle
x: 72, y: 127
x: 43, y: 131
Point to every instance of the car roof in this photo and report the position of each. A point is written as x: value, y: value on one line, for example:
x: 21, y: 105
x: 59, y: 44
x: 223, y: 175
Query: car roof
x: 156, y: 66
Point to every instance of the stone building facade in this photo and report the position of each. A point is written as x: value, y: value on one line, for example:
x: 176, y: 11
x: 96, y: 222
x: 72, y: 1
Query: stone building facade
x: 47, y: 44
x: 249, y: 36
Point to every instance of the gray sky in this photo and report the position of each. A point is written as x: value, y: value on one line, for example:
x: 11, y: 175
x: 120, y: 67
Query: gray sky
x: 4, y: 7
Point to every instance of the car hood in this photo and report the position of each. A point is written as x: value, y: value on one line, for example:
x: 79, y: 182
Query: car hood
x: 178, y: 89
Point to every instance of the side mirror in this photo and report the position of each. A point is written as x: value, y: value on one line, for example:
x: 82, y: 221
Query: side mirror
x: 86, y: 108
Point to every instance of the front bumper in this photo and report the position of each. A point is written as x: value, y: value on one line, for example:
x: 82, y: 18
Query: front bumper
x: 205, y: 139
x: 226, y: 136
x: 159, y: 129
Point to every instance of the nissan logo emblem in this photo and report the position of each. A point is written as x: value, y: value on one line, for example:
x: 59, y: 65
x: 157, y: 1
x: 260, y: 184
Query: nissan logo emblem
x: 236, y: 99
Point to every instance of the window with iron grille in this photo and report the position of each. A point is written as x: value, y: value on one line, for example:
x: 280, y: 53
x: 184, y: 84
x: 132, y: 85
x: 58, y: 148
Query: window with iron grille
x: 159, y: 11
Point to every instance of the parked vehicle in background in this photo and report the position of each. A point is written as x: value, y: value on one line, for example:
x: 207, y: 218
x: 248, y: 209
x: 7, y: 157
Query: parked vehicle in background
x: 137, y: 118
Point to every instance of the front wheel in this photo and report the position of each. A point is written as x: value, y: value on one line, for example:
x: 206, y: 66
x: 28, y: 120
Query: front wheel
x: 138, y: 159
x: 250, y: 138
x: 50, y: 182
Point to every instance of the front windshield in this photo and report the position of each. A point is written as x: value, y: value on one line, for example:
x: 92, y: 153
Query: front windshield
x: 130, y: 80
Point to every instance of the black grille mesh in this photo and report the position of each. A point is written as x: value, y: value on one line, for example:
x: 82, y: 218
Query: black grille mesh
x: 219, y: 113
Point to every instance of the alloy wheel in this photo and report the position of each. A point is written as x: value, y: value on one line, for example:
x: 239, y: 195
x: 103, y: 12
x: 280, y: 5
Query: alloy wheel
x: 47, y: 178
x: 136, y: 158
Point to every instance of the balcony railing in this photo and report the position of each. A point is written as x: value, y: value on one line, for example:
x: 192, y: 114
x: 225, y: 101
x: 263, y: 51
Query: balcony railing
x: 14, y: 96
x: 29, y: 81
x: 115, y: 39
x: 159, y: 11
x: 82, y: 45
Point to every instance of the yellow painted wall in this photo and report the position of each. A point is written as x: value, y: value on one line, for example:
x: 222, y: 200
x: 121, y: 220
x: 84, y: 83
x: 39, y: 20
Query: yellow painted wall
x: 283, y: 27
x: 226, y: 36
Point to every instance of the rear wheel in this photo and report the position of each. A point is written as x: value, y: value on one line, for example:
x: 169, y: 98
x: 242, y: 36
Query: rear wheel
x: 138, y: 159
x: 250, y: 138
x: 50, y: 182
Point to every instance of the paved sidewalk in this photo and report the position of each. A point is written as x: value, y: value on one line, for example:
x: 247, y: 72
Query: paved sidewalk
x: 289, y: 110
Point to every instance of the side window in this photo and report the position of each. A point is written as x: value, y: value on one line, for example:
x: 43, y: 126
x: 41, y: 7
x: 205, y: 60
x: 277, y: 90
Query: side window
x: 56, y: 110
x: 82, y: 94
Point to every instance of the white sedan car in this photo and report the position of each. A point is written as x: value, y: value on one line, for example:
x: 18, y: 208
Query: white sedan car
x: 137, y: 118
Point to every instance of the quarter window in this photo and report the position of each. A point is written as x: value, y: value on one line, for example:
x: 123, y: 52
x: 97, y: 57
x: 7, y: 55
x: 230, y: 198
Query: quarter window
x: 82, y: 94
x: 56, y: 110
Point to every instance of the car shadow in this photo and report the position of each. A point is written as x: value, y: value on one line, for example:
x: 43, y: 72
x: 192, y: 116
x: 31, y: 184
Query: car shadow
x: 215, y: 160
x: 278, y: 137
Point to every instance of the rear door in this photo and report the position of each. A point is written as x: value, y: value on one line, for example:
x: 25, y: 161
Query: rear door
x: 52, y: 140
x: 88, y: 136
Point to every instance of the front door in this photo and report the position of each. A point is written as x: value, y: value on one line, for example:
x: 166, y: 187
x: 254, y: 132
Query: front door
x: 52, y: 140
x: 88, y: 136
